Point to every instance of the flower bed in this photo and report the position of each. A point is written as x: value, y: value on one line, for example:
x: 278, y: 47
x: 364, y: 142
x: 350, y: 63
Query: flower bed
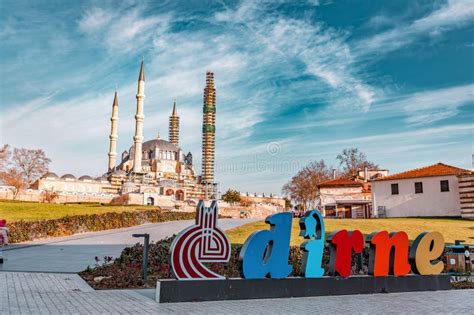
x: 22, y: 231
x: 125, y: 271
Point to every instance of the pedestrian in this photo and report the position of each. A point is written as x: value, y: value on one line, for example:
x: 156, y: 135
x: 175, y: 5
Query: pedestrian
x: 3, y: 237
x: 3, y: 233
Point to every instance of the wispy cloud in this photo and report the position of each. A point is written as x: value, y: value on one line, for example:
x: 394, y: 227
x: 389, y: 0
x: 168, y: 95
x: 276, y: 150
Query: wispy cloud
x: 431, y: 106
x: 123, y: 30
x: 323, y: 50
x: 453, y: 14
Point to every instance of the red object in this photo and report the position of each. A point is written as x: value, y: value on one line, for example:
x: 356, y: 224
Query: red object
x: 203, y: 242
x: 341, y: 246
x: 388, y: 254
x: 3, y: 223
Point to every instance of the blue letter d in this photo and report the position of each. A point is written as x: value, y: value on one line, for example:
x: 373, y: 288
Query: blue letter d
x: 265, y: 253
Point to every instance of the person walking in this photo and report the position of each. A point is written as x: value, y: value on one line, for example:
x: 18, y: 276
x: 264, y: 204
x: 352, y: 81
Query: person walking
x: 3, y: 237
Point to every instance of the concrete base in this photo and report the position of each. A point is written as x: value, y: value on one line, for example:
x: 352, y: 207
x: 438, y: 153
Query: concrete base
x: 239, y: 289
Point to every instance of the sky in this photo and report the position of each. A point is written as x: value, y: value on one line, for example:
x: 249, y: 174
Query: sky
x: 296, y: 81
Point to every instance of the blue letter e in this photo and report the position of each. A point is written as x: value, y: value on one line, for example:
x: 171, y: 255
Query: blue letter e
x: 265, y: 253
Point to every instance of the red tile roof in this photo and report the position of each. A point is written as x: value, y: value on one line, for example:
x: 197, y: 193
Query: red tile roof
x: 340, y: 182
x: 438, y: 169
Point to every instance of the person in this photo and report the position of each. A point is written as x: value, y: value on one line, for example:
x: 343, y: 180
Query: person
x: 3, y: 232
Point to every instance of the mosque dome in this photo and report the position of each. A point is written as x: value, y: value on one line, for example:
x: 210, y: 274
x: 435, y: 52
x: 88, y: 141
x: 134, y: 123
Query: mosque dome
x: 68, y: 176
x: 101, y: 179
x: 85, y: 177
x: 161, y: 144
x: 50, y: 175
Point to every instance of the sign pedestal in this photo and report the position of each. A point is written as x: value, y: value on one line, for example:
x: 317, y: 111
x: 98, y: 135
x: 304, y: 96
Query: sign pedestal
x: 168, y: 291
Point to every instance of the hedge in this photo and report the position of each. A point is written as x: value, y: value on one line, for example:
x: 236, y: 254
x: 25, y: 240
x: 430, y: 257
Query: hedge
x: 22, y: 231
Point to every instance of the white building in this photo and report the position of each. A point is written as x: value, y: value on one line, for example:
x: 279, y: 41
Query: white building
x: 349, y: 197
x: 424, y: 192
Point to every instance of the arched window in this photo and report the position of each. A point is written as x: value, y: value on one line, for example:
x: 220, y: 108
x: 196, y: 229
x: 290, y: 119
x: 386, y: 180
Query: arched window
x: 150, y: 201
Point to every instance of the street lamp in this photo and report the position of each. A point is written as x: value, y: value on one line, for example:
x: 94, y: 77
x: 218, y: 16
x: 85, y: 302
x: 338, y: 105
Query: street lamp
x: 146, y: 242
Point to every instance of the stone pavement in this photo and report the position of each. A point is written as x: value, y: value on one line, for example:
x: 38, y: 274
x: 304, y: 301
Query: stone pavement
x: 39, y: 293
x: 74, y: 253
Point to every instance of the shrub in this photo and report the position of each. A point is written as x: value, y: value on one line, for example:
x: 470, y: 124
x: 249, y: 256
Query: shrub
x: 22, y: 231
x: 125, y: 271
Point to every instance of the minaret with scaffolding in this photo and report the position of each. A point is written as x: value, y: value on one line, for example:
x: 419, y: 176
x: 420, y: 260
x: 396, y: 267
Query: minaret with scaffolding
x: 209, y: 136
x: 174, y: 126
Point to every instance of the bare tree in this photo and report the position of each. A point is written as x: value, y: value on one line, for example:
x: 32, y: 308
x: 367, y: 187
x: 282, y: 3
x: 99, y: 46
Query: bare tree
x: 32, y: 163
x: 303, y: 187
x: 353, y: 160
x: 49, y: 196
x: 13, y: 177
x: 4, y: 157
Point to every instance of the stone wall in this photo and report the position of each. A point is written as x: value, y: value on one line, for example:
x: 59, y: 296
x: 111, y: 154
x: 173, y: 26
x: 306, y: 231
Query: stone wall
x: 36, y: 196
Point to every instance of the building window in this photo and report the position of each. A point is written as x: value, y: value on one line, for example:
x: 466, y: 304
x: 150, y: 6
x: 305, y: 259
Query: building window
x: 418, y: 188
x: 444, y: 185
x: 394, y: 189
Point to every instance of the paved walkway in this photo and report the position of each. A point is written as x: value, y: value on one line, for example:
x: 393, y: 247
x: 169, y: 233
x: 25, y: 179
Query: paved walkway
x: 74, y: 253
x: 39, y: 293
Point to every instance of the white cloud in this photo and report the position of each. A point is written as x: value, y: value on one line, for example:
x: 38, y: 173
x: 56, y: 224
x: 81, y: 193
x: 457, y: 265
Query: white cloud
x: 434, y: 105
x: 322, y: 49
x: 95, y: 19
x: 454, y: 14
x: 122, y: 30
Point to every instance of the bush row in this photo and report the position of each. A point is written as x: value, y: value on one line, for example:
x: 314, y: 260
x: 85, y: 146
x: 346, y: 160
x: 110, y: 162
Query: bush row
x: 22, y: 231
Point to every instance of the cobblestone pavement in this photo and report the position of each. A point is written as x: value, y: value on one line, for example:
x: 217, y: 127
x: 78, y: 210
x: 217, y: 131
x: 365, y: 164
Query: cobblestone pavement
x: 74, y: 253
x: 40, y: 293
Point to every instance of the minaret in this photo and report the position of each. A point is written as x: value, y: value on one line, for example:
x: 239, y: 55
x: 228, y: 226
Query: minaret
x: 138, y: 138
x: 113, y: 134
x: 208, y: 130
x: 174, y: 126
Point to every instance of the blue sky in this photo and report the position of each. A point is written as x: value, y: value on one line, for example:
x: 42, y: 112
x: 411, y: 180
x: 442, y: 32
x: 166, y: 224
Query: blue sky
x: 296, y: 81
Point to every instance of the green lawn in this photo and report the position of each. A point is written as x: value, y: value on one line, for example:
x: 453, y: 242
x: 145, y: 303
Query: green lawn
x: 452, y: 229
x: 31, y: 211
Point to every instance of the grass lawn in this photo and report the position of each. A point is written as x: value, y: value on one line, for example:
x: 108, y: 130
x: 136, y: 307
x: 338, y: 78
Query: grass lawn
x: 452, y: 229
x: 31, y: 211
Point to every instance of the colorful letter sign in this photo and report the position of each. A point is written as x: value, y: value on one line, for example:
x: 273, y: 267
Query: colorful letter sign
x: 312, y: 226
x: 426, y: 248
x: 341, y: 246
x: 203, y: 242
x: 388, y: 254
x: 265, y: 253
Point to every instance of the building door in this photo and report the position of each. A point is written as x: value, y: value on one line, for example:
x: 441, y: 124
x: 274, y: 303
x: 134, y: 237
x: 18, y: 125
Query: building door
x: 150, y: 201
x: 347, y: 212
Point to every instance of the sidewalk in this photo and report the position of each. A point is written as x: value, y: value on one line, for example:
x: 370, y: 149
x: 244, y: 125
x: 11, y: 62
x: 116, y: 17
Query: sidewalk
x: 74, y: 253
x: 39, y: 293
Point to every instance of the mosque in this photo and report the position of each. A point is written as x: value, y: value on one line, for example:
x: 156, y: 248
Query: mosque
x: 150, y: 171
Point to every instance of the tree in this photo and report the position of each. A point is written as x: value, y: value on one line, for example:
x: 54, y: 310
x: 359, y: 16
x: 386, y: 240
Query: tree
x: 231, y: 196
x: 303, y: 187
x: 4, y: 157
x: 49, y: 196
x: 352, y: 160
x: 12, y: 177
x: 32, y: 163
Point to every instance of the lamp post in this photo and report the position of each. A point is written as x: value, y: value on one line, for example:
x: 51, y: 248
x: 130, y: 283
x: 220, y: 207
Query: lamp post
x: 146, y: 242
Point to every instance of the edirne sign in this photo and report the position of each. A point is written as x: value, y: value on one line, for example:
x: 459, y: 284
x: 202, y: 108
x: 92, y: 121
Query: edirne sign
x: 265, y: 253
